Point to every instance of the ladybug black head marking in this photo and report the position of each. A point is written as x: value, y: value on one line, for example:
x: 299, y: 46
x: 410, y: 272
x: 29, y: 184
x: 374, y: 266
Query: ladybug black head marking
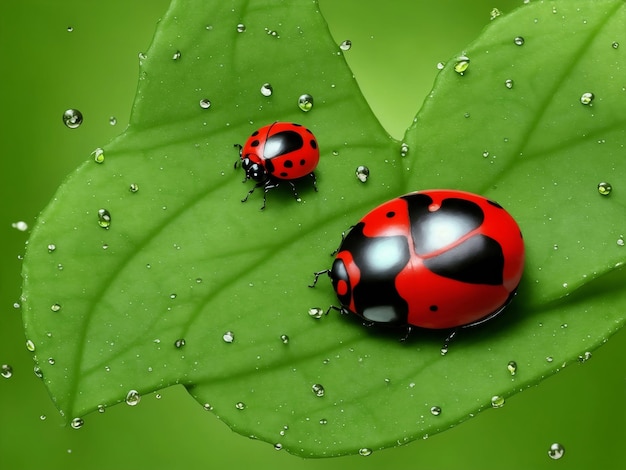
x: 254, y: 170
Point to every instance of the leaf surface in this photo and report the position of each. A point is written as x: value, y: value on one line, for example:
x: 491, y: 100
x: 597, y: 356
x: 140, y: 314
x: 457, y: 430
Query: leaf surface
x: 184, y: 259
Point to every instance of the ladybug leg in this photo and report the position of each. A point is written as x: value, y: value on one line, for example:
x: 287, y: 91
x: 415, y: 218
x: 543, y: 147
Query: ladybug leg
x: 341, y: 310
x: 239, y: 159
x: 407, y: 333
x: 446, y: 342
x: 312, y: 175
x: 258, y: 185
x: 293, y: 189
x: 317, y: 276
x: 267, y: 186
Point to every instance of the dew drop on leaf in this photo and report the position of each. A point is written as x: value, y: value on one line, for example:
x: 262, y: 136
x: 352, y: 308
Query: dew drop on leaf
x: 404, y: 149
x: 604, y: 188
x: 556, y: 451
x: 112, y: 120
x: 587, y: 98
x: 72, y: 118
x: 519, y: 41
x: 77, y: 423
x: 584, y: 357
x: 318, y: 390
x: 30, y: 345
x: 435, y: 410
x: 179, y: 343
x: 55, y: 307
x: 98, y: 155
x: 461, y: 65
x: 133, y: 188
x: 362, y: 173
x: 205, y: 103
x: 6, y: 371
x: 494, y: 14
x: 345, y: 45
x: 133, y: 398
x: 284, y: 339
x: 305, y: 102
x: 508, y: 83
x: 615, y: 45
x: 512, y: 367
x: 240, y: 405
x: 365, y: 452
x: 497, y: 401
x: 241, y: 28
x: 51, y: 248
x: 176, y: 55
x: 316, y: 312
x: 104, y: 218
x: 267, y: 89
x: 21, y: 226
x: 228, y: 337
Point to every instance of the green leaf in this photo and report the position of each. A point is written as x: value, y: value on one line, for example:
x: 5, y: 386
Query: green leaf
x: 183, y: 258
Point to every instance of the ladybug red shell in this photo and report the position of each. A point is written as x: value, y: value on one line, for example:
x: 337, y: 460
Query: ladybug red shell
x: 430, y: 259
x: 279, y: 152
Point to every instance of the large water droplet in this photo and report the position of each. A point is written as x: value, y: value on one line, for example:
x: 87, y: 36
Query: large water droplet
x: 98, y: 155
x: 240, y: 405
x: 508, y: 84
x: 587, y: 98
x: 461, y: 65
x: 362, y: 173
x: 104, y: 218
x: 556, y: 451
x: 241, y: 28
x: 229, y: 337
x: 205, y: 103
x: 435, y: 410
x: 497, y: 401
x: 365, y: 452
x: 512, y: 367
x: 267, y: 89
x: 316, y: 312
x: 72, y: 118
x: 318, y: 390
x: 133, y: 398
x: 30, y: 345
x: 176, y: 55
x: 519, y: 41
x: 6, y: 371
x: 77, y: 423
x: 55, y: 307
x: 305, y: 102
x: 345, y: 45
x: 604, y: 188
x: 20, y: 225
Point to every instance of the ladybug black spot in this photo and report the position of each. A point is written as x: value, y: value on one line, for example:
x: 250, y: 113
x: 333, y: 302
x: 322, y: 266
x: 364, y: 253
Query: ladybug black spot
x: 288, y: 164
x: 254, y: 143
x: 494, y: 203
x: 313, y: 143
x: 302, y: 162
x: 433, y: 308
x: 254, y: 133
x: 390, y: 214
x: 281, y: 143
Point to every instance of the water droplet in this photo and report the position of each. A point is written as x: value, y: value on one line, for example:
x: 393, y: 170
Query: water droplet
x: 584, y: 357
x: 444, y: 350
x: 587, y: 98
x: 549, y: 359
x: 494, y: 14
x: 318, y: 390
x: 241, y: 28
x: 305, y: 102
x: 207, y: 407
x: 362, y: 173
x: 104, y: 218
x: 272, y: 32
x: 316, y: 312
x: 508, y: 84
x: 519, y: 41
x: 6, y: 371
x: 101, y: 408
x: 176, y: 55
x: 55, y: 307
x: 51, y: 361
x: 461, y: 64
x: 440, y: 65
x: 404, y: 149
x: 77, y: 423
x: 51, y: 248
x: 278, y: 446
x: 267, y: 89
x: 345, y: 45
x: 497, y: 401
x: 604, y: 188
x: 37, y: 371
x: 365, y: 452
x: 98, y: 155
x: 133, y: 188
x: 556, y: 451
x: 615, y: 45
x: 133, y: 398
x: 205, y: 103
x: 512, y: 367
x: 240, y: 405
x: 30, y: 345
x: 72, y: 118
x: 229, y: 337
x: 323, y: 421
x: 620, y: 240
x: 20, y: 225
x: 179, y: 343
x: 42, y: 417
x: 284, y: 339
x: 70, y: 29
x: 435, y: 410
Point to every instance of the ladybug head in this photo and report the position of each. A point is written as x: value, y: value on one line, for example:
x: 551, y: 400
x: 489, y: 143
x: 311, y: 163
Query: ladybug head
x: 254, y: 170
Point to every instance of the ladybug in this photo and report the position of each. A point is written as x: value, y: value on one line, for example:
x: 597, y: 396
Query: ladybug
x: 436, y: 259
x: 279, y: 152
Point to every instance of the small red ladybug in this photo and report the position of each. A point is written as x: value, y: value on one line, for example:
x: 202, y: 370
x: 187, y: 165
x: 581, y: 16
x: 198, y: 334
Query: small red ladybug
x: 279, y: 152
x: 431, y: 259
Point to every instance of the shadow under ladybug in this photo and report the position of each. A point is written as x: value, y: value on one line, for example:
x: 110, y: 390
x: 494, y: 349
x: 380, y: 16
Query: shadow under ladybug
x: 277, y: 153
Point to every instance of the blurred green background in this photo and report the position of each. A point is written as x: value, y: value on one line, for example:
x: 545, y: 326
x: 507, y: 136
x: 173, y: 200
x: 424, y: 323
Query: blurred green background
x: 73, y: 53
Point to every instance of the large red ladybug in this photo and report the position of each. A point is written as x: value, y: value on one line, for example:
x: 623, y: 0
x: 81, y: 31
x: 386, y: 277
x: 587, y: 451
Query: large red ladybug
x: 430, y: 259
x: 279, y: 152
